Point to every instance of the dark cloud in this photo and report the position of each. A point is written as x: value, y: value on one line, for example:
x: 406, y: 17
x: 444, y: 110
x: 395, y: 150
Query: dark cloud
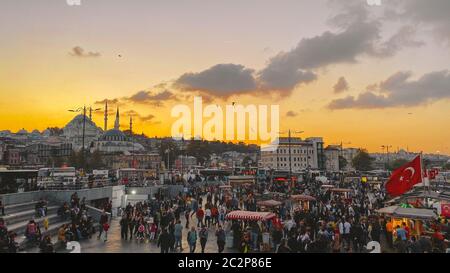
x: 405, y: 37
x: 400, y: 91
x: 341, y: 85
x: 357, y: 33
x: 434, y: 14
x: 221, y: 80
x: 149, y: 97
x: 80, y: 52
x: 291, y: 114
x: 136, y: 115
x: 148, y: 118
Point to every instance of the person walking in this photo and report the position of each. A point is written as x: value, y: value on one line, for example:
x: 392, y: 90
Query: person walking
x: 178, y: 232
x: 187, y: 216
x: 220, y: 234
x: 164, y: 241
x: 105, y: 232
x: 200, y: 214
x: 203, y: 237
x: 103, y: 220
x: 192, y: 239
x: 124, y: 222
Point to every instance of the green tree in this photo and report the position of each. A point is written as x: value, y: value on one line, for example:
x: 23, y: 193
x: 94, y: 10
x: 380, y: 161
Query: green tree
x: 447, y: 166
x: 362, y: 161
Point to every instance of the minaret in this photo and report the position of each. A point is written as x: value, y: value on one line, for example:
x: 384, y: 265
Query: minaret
x: 131, y: 126
x: 106, y: 115
x: 116, y: 124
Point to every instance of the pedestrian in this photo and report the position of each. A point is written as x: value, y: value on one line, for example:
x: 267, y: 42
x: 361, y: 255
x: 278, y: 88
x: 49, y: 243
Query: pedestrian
x: 178, y: 233
x: 124, y: 222
x: 164, y: 241
x: 200, y: 214
x: 208, y: 216
x: 192, y: 239
x: 105, y: 232
x: 187, y: 217
x: 203, y: 234
x: 220, y: 234
x: 103, y: 219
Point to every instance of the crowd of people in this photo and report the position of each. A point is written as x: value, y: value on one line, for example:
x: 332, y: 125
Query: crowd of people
x: 334, y: 222
x: 330, y: 222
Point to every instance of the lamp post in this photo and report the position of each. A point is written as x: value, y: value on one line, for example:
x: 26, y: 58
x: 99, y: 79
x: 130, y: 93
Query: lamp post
x: 386, y: 147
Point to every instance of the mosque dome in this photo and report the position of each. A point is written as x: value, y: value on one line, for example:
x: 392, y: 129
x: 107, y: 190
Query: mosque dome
x: 114, y: 135
x: 22, y: 132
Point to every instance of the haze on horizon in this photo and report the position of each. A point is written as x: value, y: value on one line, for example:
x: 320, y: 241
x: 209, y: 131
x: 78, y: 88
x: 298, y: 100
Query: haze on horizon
x: 340, y: 69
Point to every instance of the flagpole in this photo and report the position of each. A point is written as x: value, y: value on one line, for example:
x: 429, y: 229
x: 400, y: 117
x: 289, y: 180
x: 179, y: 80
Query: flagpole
x: 425, y: 190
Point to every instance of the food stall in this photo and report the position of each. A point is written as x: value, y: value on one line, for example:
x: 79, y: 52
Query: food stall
x: 241, y: 180
x: 268, y: 204
x: 414, y: 218
x: 244, y: 215
x: 342, y: 192
x: 302, y: 201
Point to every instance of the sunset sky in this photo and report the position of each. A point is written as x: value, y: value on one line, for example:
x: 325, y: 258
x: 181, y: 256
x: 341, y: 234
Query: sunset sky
x: 340, y: 69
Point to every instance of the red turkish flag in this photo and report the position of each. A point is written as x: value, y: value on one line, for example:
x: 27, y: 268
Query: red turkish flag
x: 404, y: 178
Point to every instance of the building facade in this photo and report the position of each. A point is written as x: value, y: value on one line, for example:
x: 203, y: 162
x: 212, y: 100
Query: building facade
x: 302, y: 155
x: 332, y: 158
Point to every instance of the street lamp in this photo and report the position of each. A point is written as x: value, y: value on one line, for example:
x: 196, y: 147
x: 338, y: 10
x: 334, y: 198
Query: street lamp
x: 386, y: 147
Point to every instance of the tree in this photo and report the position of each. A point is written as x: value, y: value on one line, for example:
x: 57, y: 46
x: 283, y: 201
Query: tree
x: 174, y: 152
x: 362, y: 161
x: 342, y: 163
x: 55, y: 131
x: 447, y: 166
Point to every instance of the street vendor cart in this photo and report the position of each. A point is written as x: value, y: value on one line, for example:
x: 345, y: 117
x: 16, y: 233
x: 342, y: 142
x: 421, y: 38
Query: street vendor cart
x: 253, y: 216
x: 302, y: 201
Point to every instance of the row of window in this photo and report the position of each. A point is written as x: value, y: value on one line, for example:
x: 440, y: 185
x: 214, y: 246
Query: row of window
x: 293, y: 151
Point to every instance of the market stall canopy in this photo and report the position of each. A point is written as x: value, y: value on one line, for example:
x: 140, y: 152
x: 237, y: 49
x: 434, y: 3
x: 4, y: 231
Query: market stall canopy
x: 387, y: 210
x: 269, y: 203
x: 249, y: 215
x: 302, y: 197
x: 224, y: 186
x: 242, y: 179
x: 413, y: 213
x: 327, y: 186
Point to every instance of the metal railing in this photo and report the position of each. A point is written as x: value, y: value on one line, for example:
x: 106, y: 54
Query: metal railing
x: 78, y: 185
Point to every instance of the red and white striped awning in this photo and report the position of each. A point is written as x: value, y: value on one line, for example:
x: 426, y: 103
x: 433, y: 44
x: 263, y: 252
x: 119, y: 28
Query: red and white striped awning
x: 302, y: 197
x: 249, y: 215
x: 269, y: 203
